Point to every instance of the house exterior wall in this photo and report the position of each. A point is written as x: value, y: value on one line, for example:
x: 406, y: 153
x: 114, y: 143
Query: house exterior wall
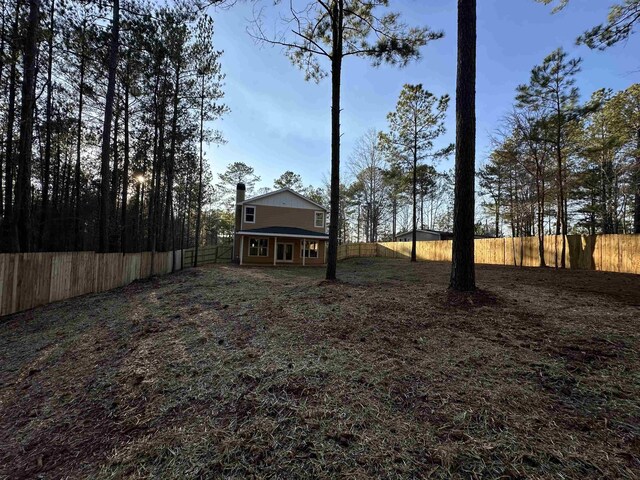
x: 297, y: 248
x: 271, y: 216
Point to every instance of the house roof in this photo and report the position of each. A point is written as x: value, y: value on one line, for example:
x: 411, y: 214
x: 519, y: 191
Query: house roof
x: 275, y: 192
x: 284, y: 232
x: 436, y: 232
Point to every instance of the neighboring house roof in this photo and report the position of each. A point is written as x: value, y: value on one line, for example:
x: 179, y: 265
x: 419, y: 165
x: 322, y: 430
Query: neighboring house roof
x: 284, y: 232
x: 282, y: 190
x: 435, y: 232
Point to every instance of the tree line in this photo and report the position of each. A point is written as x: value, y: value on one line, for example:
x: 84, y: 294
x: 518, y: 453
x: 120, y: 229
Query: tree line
x: 106, y: 105
x: 560, y: 166
x: 105, y: 110
x: 396, y: 186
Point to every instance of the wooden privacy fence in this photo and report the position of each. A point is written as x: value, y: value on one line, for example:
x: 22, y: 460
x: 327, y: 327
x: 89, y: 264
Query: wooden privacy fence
x: 28, y: 280
x: 207, y: 255
x: 610, y: 253
x: 349, y: 250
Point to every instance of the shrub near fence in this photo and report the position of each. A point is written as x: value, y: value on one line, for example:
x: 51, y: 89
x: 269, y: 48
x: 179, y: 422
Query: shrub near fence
x: 610, y: 253
x: 28, y: 280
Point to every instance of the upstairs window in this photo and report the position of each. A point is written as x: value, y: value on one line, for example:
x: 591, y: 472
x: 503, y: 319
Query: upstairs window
x: 311, y: 250
x: 249, y: 214
x: 258, y: 247
x: 318, y: 220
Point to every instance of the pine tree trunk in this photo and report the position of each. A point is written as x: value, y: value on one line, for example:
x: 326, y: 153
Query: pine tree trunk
x: 8, y: 227
x: 173, y: 240
x: 103, y: 228
x: 160, y: 235
x: 497, y: 219
x: 463, y: 268
x: 137, y: 239
x: 125, y: 167
x: 565, y: 226
x: 188, y: 214
x: 183, y: 217
x: 68, y: 240
x: 336, y: 72
x: 9, y: 169
x: 55, y: 192
x: 44, y: 218
x: 199, y: 215
x: 2, y: 63
x: 562, y: 214
x: 25, y: 145
x: 421, y: 211
x: 414, y: 193
x: 636, y: 211
x: 171, y: 163
x: 76, y: 183
x: 114, y: 237
x: 394, y: 215
x: 540, y: 223
x: 558, y: 229
x: 151, y: 233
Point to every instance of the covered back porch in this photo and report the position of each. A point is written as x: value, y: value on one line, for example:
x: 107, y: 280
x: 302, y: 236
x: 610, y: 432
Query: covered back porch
x: 281, y: 246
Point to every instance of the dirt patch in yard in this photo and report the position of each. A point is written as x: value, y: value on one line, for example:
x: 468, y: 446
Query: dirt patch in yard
x: 259, y: 372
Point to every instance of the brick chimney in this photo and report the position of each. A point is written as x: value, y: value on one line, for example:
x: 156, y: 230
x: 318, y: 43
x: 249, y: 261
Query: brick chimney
x: 240, y: 192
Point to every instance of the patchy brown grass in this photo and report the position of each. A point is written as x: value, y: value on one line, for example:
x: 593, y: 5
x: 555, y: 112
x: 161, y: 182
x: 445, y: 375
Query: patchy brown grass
x: 239, y: 372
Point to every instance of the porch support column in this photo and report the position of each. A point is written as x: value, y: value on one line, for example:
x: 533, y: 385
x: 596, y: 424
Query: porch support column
x: 304, y: 248
x: 325, y: 252
x: 275, y: 250
x: 241, y: 247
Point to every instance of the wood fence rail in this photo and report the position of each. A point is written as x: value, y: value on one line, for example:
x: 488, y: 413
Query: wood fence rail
x: 28, y: 280
x: 609, y: 253
x: 207, y: 255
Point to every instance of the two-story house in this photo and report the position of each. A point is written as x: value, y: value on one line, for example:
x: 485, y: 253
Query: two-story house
x: 280, y: 227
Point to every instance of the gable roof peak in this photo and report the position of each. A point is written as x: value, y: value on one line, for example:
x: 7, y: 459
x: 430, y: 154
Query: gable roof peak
x: 282, y: 190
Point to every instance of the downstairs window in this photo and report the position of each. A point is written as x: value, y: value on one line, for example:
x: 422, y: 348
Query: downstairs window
x: 311, y: 250
x: 258, y: 247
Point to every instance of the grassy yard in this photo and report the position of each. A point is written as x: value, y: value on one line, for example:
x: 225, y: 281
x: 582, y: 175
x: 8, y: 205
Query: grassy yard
x: 260, y: 372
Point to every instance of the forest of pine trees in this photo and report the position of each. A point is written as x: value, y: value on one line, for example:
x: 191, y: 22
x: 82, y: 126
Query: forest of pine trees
x: 560, y: 166
x: 104, y: 108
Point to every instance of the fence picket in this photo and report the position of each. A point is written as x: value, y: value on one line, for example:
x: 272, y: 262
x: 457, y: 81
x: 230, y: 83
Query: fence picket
x: 611, y: 253
x: 28, y: 280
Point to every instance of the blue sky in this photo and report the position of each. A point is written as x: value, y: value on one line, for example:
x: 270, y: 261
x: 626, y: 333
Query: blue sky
x: 279, y: 122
